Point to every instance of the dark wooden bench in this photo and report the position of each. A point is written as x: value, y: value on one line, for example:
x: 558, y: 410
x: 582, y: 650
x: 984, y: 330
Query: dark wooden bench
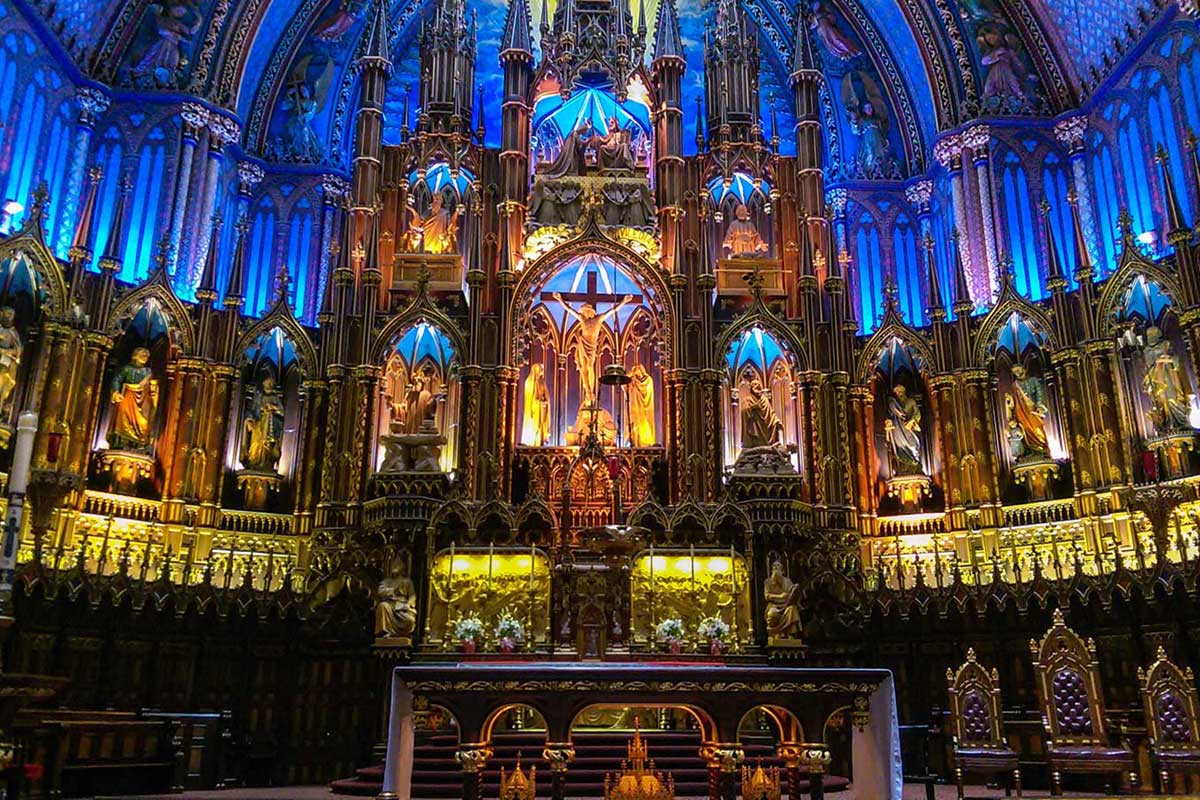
x: 90, y: 753
x: 204, y: 739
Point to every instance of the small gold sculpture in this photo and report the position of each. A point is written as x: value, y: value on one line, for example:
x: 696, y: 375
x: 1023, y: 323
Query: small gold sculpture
x: 262, y: 438
x: 760, y: 784
x: 396, y: 604
x: 516, y: 786
x: 536, y: 428
x: 435, y: 233
x: 11, y: 349
x: 783, y: 606
x: 742, y: 238
x: 637, y: 781
x: 641, y: 407
x: 1163, y: 384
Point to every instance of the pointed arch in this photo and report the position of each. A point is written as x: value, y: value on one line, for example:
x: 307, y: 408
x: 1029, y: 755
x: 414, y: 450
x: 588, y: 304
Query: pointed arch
x: 1009, y: 303
x: 893, y: 327
x: 281, y: 316
x: 157, y: 287
x: 1133, y: 266
x: 51, y: 283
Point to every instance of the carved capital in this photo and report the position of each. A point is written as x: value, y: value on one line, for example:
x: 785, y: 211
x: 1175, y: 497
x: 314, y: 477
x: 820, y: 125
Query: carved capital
x: 1070, y: 131
x: 92, y: 103
x: 726, y: 757
x: 838, y: 199
x: 333, y: 188
x: 948, y: 152
x: 978, y: 138
x: 473, y: 758
x: 195, y: 117
x: 249, y: 176
x: 560, y: 756
x: 920, y: 193
x: 224, y: 130
x: 807, y: 756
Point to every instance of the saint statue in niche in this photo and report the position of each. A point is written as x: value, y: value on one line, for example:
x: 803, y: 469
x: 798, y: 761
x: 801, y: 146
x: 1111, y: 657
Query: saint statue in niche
x: 614, y: 150
x: 537, y: 408
x: 134, y: 396
x: 641, y: 407
x: 742, y: 239
x: 435, y: 233
x: 1025, y: 410
x: 421, y: 401
x: 902, y: 429
x: 586, y: 346
x: 760, y: 424
x: 396, y: 603
x: 302, y: 102
x: 868, y: 113
x: 782, y: 598
x: 175, y: 24
x: 1163, y: 383
x: 11, y: 350
x: 571, y: 158
x: 262, y: 435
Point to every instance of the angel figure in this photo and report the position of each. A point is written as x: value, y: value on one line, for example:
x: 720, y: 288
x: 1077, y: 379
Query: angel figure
x: 1000, y: 54
x: 825, y: 25
x: 869, y: 120
x: 164, y: 60
x: 337, y: 24
x: 303, y: 102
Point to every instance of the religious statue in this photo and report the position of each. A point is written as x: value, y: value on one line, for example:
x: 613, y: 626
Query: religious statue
x: 1004, y: 85
x: 902, y: 429
x: 867, y: 110
x: 614, y: 150
x: 134, y: 395
x: 571, y: 159
x: 1163, y: 383
x: 262, y: 435
x: 641, y: 407
x: 302, y: 102
x: 587, y: 344
x: 339, y: 23
x: 1026, y: 408
x: 435, y: 233
x: 742, y: 239
x: 782, y: 599
x: 420, y: 401
x: 162, y: 64
x: 396, y: 604
x: 537, y: 407
x: 11, y: 349
x: 825, y: 25
x: 760, y: 424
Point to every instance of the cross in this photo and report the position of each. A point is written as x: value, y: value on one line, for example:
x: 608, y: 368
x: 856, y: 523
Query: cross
x: 592, y: 294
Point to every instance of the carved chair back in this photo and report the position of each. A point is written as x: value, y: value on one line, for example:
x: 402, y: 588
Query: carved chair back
x: 975, y: 705
x: 1172, y: 709
x: 1068, y: 684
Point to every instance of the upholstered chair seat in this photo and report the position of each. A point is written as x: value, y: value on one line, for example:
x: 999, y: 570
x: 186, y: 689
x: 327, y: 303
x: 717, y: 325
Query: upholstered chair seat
x: 976, y: 720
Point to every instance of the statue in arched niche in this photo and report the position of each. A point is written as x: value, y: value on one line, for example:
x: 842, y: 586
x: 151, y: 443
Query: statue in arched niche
x: 763, y: 448
x: 396, y: 604
x: 782, y: 599
x: 536, y: 430
x: 1026, y: 407
x: 587, y: 344
x: 435, y: 232
x: 420, y: 402
x: 742, y: 237
x: 133, y: 392
x: 11, y: 350
x: 262, y: 434
x: 641, y: 407
x: 1163, y: 382
x: 902, y: 430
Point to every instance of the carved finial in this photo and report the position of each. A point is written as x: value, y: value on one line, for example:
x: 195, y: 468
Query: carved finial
x: 423, y: 278
x: 1125, y: 222
x: 164, y: 251
x: 40, y: 199
x: 891, y: 293
x: 282, y: 282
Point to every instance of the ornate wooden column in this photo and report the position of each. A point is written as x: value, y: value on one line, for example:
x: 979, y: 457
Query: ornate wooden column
x: 472, y: 758
x: 560, y: 756
x: 724, y: 766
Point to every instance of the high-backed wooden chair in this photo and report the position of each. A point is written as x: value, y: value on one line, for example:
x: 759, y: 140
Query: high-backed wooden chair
x: 1072, y: 698
x: 975, y: 716
x: 1173, y: 717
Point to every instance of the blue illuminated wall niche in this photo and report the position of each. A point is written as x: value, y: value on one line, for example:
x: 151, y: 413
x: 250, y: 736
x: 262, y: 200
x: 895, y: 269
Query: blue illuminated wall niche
x: 107, y: 157
x: 906, y: 257
x: 1021, y: 221
x: 260, y: 256
x: 868, y: 257
x: 149, y: 186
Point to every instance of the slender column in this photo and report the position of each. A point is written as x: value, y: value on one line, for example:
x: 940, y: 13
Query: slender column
x: 92, y: 103
x: 472, y: 758
x: 979, y: 140
x: 805, y: 760
x: 838, y: 200
x: 948, y: 152
x: 724, y: 764
x: 195, y: 117
x: 333, y: 190
x: 223, y: 131
x: 560, y: 757
x: 1070, y: 131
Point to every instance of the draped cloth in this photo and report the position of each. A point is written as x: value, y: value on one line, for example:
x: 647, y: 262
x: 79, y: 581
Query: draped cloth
x: 1030, y: 414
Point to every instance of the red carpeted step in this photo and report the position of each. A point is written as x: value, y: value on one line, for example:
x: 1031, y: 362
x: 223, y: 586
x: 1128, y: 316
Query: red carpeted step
x: 436, y: 774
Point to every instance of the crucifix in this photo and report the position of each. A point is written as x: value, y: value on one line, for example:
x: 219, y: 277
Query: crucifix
x: 586, y: 347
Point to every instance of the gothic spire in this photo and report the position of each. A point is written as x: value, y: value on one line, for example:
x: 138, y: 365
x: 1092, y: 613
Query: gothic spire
x: 1175, y: 221
x: 376, y: 51
x: 234, y: 288
x: 963, y: 305
x: 111, y: 260
x: 667, y: 41
x: 936, y: 310
x: 81, y: 244
x: 517, y: 27
x: 805, y: 60
x: 1084, y: 269
x: 207, y: 290
x: 1054, y: 270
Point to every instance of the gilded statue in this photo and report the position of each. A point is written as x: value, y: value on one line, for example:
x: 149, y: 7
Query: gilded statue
x: 782, y: 598
x: 420, y: 401
x: 742, y: 239
x: 902, y: 429
x: 587, y: 344
x: 262, y: 434
x: 1164, y: 385
x: 1026, y: 410
x: 760, y: 424
x: 641, y: 407
x: 396, y: 604
x: 11, y: 349
x: 435, y: 233
x: 134, y: 396
x: 536, y: 430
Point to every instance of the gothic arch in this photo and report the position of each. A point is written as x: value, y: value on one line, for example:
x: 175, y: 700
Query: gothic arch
x: 1010, y: 302
x: 1132, y: 266
x: 759, y: 316
x: 281, y: 316
x: 31, y: 242
x: 421, y: 309
x: 893, y: 327
x: 157, y: 287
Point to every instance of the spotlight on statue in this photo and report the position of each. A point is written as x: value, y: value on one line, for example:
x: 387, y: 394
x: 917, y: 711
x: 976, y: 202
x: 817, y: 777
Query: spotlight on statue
x: 8, y: 211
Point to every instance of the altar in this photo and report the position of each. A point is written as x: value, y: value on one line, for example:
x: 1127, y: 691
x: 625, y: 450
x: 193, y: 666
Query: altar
x: 798, y: 701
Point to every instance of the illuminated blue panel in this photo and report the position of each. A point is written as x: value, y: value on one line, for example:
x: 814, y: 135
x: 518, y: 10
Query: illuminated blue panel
x: 742, y: 187
x: 943, y: 248
x: 1133, y: 163
x: 1164, y: 132
x: 1021, y: 228
x: 869, y: 259
x: 143, y: 211
x: 1017, y: 336
x: 299, y: 260
x: 1189, y: 81
x: 755, y: 348
x: 273, y: 347
x: 895, y: 360
x: 908, y: 270
x: 28, y: 126
x: 108, y: 157
x: 438, y: 176
x: 553, y: 117
x: 424, y: 341
x: 595, y: 274
x: 260, y: 258
x: 1057, y: 189
x: 1108, y: 205
x: 1145, y: 302
x: 54, y: 173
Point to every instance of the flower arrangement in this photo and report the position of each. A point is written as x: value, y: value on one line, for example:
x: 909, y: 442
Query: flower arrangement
x: 468, y: 628
x: 713, y: 629
x: 509, y: 631
x: 670, y: 630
